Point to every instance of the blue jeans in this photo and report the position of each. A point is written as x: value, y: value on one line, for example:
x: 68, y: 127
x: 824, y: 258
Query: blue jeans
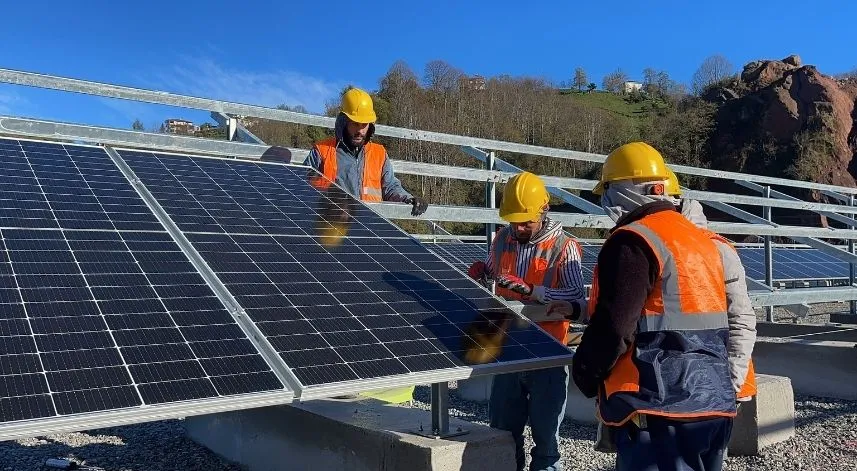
x: 670, y: 445
x: 538, y: 396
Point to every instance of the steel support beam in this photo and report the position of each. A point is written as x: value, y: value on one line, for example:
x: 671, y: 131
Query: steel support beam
x: 490, y: 199
x: 782, y: 196
x: 564, y: 195
x: 192, y: 145
x: 802, y: 296
x: 165, y: 98
x: 852, y: 269
x: 235, y: 129
x: 769, y: 257
x: 836, y: 196
x: 829, y: 249
x: 170, y: 142
x: 481, y: 215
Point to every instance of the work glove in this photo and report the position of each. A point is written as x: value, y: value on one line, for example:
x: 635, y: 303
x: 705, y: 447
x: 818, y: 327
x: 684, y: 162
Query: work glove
x: 477, y: 270
x: 420, y: 206
x: 512, y: 282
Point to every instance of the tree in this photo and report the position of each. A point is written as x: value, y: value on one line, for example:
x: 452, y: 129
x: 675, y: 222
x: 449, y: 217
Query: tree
x: 580, y: 79
x: 440, y: 76
x: 591, y: 87
x: 614, y: 81
x: 137, y: 125
x: 713, y: 70
x: 650, y: 81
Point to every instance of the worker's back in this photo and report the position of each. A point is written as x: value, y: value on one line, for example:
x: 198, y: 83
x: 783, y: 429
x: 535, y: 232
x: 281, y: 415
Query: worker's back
x: 678, y: 365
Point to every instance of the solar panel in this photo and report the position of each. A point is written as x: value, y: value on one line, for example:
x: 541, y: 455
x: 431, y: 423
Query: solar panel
x: 793, y: 264
x: 361, y: 309
x: 590, y: 258
x: 462, y: 255
x: 789, y: 263
x: 99, y: 308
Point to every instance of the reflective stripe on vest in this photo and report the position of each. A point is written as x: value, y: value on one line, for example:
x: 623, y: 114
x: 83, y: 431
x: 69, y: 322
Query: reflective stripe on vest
x: 678, y: 364
x: 543, y: 270
x: 748, y: 388
x: 374, y: 156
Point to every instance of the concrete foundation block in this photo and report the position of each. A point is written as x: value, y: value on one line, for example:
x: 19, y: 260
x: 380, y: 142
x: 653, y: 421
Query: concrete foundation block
x: 353, y: 435
x: 766, y: 419
x: 816, y: 367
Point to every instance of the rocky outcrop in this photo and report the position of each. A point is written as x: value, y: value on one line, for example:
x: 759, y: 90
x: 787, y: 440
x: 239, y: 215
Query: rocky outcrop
x: 786, y: 119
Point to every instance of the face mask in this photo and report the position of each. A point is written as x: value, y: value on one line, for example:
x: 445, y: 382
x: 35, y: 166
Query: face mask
x: 624, y: 196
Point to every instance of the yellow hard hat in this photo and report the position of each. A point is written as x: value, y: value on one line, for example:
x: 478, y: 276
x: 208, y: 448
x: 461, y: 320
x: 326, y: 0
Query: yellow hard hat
x: 635, y: 160
x: 524, y: 198
x: 357, y: 105
x: 672, y: 188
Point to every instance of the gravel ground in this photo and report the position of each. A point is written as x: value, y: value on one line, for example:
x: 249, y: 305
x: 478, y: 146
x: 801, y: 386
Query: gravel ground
x: 155, y: 446
x: 826, y: 437
x: 826, y: 440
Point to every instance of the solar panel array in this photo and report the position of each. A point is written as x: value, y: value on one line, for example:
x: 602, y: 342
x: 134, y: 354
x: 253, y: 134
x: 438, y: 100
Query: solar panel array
x: 104, y: 309
x: 793, y: 264
x: 789, y: 263
x: 100, y: 308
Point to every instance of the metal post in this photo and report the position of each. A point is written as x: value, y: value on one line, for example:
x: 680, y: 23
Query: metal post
x: 231, y: 128
x: 490, y: 199
x: 490, y: 202
x: 439, y: 408
x: 769, y: 256
x: 853, y: 268
x: 440, y: 414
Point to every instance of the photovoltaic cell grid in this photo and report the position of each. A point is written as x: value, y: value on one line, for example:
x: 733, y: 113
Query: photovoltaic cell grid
x: 372, y: 304
x: 464, y: 254
x: 793, y: 264
x: 789, y: 263
x: 99, y: 309
x: 460, y: 255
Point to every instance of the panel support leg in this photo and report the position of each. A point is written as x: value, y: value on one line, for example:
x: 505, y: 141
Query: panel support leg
x: 440, y: 414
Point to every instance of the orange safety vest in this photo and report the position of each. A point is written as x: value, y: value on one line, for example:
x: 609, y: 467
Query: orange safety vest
x: 748, y: 389
x: 374, y: 156
x: 678, y: 366
x: 543, y: 270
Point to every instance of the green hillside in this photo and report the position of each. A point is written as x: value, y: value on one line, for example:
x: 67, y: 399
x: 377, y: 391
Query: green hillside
x: 611, y: 102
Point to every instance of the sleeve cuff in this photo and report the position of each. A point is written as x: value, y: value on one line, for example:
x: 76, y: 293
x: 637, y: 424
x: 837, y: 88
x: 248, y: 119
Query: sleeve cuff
x: 538, y: 294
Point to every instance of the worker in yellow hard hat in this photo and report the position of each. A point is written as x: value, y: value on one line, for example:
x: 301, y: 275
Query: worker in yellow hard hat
x: 351, y: 161
x: 363, y: 169
x: 533, y: 260
x: 655, y: 350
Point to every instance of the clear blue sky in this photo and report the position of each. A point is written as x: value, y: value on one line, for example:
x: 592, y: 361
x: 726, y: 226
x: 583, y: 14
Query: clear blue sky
x: 303, y: 52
